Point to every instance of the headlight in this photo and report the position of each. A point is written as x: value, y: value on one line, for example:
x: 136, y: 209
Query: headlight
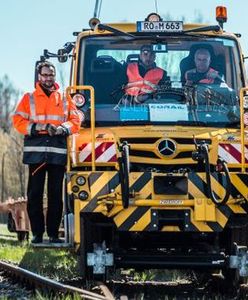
x: 83, y: 195
x: 79, y: 100
x: 81, y: 115
x: 80, y: 180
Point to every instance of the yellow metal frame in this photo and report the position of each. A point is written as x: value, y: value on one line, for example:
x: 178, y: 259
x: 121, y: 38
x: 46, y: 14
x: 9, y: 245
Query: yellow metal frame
x: 242, y: 127
x: 69, y: 89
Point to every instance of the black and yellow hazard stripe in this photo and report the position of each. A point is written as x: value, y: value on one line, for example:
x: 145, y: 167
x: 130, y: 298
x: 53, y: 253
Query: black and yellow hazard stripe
x: 139, y: 218
x: 101, y: 183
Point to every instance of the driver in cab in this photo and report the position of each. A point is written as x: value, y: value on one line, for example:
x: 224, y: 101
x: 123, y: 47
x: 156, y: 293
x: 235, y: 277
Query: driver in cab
x: 143, y: 77
x: 203, y: 73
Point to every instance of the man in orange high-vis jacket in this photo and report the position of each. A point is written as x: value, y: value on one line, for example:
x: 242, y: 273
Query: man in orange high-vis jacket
x: 45, y: 118
x: 144, y: 76
x: 203, y: 73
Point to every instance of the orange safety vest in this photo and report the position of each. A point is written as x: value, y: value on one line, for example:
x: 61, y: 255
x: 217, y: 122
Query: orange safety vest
x: 39, y: 108
x: 204, y: 80
x: 137, y: 85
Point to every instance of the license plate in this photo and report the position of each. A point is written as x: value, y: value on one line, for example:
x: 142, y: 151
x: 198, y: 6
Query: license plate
x: 162, y: 26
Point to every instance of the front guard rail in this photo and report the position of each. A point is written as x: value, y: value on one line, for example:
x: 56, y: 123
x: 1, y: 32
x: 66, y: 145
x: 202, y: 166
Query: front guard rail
x: 242, y: 127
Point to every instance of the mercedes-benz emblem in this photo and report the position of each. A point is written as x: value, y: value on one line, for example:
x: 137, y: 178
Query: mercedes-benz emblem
x: 167, y: 147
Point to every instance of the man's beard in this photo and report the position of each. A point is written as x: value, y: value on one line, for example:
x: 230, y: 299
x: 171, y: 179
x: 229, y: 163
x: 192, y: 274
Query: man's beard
x: 50, y: 87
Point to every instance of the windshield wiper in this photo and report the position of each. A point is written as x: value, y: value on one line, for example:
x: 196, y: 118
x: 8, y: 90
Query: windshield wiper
x: 131, y: 36
x: 206, y: 28
x: 115, y: 31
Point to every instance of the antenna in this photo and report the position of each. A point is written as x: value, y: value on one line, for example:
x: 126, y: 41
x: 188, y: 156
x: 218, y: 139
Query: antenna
x: 156, y: 5
x: 97, y: 10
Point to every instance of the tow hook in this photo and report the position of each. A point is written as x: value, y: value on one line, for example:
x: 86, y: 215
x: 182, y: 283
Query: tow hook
x: 240, y: 261
x: 100, y: 259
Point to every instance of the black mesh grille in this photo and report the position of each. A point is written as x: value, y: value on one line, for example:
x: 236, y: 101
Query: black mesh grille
x: 185, y: 154
x: 139, y: 140
x: 142, y: 153
x: 191, y: 141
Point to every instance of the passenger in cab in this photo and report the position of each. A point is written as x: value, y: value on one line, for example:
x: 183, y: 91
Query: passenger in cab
x: 45, y: 118
x: 144, y: 76
x: 203, y: 73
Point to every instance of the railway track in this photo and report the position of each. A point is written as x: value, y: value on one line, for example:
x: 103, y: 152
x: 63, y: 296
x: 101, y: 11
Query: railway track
x: 211, y: 288
x: 127, y: 289
x: 46, y: 285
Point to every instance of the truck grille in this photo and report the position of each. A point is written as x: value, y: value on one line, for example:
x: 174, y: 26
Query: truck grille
x: 152, y: 152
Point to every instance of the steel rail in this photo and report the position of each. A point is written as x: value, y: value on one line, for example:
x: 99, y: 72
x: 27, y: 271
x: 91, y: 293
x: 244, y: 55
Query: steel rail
x: 38, y: 280
x: 105, y: 291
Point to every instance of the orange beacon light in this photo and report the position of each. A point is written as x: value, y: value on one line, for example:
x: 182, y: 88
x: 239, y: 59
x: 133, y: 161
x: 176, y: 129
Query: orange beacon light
x: 221, y: 15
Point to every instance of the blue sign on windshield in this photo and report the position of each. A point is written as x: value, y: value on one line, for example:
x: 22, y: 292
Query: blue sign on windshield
x: 134, y: 113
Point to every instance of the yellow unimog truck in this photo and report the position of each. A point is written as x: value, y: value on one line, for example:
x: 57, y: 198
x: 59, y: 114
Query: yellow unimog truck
x: 160, y: 182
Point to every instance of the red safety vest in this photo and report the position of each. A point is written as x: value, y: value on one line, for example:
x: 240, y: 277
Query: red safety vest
x: 138, y: 85
x: 204, y: 80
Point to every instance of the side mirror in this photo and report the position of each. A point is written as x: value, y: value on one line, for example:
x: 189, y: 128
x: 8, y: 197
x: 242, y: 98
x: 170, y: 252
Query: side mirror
x: 62, y: 55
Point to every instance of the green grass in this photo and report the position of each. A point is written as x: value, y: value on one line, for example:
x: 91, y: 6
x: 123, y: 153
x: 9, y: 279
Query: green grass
x: 58, y: 264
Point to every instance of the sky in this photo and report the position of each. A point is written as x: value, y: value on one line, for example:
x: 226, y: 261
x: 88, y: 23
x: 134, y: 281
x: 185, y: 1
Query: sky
x: 29, y: 26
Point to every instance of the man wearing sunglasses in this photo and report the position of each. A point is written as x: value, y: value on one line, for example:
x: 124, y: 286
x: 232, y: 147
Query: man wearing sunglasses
x: 144, y: 76
x: 45, y: 118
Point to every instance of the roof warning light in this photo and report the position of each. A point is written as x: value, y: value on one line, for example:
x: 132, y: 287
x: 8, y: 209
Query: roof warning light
x: 221, y: 15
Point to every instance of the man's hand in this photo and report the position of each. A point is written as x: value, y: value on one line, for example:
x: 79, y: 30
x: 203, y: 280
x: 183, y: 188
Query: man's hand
x: 37, y: 127
x: 212, y: 75
x: 40, y: 127
x: 61, y: 131
x: 51, y: 129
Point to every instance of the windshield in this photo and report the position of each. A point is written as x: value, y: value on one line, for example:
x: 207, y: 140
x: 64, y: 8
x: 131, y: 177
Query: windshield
x: 179, y: 80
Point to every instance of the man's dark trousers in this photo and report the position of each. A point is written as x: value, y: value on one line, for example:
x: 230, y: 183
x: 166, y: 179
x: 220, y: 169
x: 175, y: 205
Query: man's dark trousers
x: 35, y: 191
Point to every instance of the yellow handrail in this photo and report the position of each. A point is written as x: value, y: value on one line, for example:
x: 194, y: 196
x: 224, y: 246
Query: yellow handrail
x: 92, y: 115
x: 242, y: 127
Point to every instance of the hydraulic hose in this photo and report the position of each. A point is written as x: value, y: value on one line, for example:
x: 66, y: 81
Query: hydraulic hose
x: 124, y: 174
x: 211, y: 195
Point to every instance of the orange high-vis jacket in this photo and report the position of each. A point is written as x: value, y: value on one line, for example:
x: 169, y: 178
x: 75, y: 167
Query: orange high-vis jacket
x: 37, y: 107
x: 138, y: 85
x: 207, y: 80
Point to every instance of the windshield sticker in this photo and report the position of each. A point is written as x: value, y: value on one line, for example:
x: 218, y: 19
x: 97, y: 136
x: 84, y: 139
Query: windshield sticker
x: 226, y: 42
x: 176, y: 84
x: 134, y: 113
x: 168, y: 112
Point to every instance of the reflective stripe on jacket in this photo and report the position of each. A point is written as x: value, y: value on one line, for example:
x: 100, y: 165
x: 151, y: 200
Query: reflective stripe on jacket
x: 39, y: 108
x: 138, y: 85
x: 44, y: 148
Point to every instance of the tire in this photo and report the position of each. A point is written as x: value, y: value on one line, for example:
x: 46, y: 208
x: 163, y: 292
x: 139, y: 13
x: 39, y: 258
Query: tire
x: 86, y: 245
x: 94, y: 229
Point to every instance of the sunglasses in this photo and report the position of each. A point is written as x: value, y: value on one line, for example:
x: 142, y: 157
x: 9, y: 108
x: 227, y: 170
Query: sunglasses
x: 47, y: 75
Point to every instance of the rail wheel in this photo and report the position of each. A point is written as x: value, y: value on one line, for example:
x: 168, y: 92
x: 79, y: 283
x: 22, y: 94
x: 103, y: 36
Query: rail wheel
x: 94, y: 234
x: 85, y: 246
x: 236, y: 234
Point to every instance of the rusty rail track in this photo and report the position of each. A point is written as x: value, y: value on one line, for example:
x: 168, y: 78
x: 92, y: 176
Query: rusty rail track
x: 43, y: 283
x: 125, y: 289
